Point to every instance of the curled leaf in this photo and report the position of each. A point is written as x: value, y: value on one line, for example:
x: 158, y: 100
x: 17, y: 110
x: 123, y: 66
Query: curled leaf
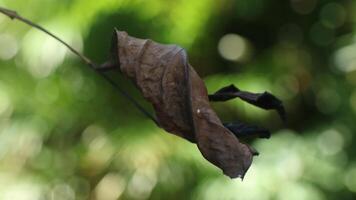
x: 180, y: 100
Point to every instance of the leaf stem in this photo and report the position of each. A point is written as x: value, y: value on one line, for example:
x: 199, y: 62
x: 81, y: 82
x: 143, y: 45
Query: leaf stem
x: 13, y: 15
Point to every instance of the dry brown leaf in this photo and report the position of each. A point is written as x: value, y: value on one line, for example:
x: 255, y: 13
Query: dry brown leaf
x: 180, y: 99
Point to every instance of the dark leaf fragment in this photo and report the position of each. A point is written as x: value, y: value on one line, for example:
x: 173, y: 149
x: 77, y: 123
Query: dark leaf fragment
x: 242, y: 130
x: 263, y: 100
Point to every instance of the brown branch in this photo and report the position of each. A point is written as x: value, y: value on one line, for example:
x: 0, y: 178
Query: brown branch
x: 13, y: 15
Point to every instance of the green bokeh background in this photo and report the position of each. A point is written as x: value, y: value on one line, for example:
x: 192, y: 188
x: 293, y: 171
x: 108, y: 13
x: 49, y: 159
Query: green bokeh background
x: 66, y: 134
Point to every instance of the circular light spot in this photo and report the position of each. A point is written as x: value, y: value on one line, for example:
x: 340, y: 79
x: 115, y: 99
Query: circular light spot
x: 8, y: 47
x: 333, y: 15
x: 303, y: 7
x: 91, y: 133
x: 291, y: 167
x: 49, y: 52
x: 110, y: 187
x: 48, y: 55
x: 233, y: 47
x: 330, y: 142
x: 62, y: 191
x: 100, y: 149
x: 321, y: 35
x: 345, y: 58
x: 141, y: 184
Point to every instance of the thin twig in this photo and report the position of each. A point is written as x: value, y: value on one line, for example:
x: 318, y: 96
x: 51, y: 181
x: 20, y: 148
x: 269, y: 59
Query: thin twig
x: 13, y: 15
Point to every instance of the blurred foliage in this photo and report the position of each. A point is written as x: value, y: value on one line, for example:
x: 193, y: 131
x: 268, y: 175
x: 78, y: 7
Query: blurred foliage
x: 66, y: 134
